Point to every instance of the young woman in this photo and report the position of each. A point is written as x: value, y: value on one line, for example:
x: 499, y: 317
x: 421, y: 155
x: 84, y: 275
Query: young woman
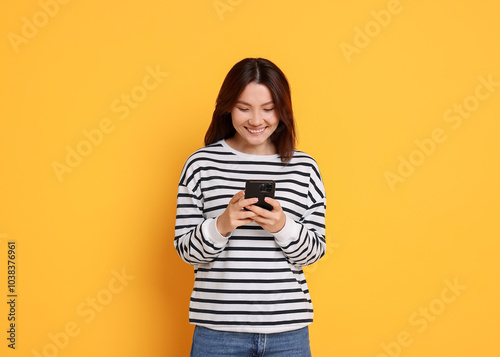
x: 250, y: 296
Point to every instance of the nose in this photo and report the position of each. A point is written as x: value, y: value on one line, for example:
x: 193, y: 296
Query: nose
x: 256, y: 120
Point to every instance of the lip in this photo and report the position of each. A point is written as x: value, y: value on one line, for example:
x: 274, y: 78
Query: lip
x: 256, y: 131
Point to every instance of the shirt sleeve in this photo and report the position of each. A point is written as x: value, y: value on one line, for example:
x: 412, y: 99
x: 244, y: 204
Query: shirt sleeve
x: 303, y: 242
x: 197, y: 239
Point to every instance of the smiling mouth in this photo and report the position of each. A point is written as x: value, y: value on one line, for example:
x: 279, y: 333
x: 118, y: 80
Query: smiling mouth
x: 256, y: 132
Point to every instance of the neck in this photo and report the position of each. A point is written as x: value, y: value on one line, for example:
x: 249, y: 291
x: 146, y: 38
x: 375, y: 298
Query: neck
x: 266, y: 148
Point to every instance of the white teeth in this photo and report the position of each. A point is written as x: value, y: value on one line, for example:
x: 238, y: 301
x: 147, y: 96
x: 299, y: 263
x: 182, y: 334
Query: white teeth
x: 256, y: 131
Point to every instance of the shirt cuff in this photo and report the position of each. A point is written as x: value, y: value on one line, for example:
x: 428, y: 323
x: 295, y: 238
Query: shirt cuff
x: 288, y: 233
x: 211, y: 233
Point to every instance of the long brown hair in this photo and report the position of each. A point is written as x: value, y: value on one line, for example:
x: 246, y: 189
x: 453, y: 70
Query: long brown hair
x: 261, y: 71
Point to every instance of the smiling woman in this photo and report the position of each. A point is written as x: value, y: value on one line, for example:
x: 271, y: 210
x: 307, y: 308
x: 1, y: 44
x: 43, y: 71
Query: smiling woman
x: 250, y: 293
x: 254, y: 120
x: 257, y: 87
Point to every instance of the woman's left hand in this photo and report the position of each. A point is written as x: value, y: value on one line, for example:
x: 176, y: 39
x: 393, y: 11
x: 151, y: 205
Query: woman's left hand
x: 272, y: 221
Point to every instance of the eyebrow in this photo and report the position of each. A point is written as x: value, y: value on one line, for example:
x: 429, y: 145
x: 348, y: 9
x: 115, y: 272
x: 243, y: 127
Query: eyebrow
x: 245, y: 103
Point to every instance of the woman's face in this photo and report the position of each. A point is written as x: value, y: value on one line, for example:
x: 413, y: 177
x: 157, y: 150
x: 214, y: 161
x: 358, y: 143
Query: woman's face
x: 254, y: 119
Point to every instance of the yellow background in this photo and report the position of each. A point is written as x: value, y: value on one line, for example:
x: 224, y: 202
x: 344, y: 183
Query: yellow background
x: 391, y: 252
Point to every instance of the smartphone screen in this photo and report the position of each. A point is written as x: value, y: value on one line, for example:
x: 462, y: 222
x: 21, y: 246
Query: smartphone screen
x: 260, y: 189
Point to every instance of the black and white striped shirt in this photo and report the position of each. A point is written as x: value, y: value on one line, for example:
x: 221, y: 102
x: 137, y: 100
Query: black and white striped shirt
x: 251, y: 281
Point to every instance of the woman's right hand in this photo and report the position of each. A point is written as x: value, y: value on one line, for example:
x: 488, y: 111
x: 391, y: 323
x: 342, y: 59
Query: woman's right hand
x: 234, y: 215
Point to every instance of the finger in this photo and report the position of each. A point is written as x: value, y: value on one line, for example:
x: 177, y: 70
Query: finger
x: 272, y: 202
x: 246, y: 214
x: 238, y: 196
x: 247, y: 202
x: 261, y: 220
x: 242, y: 222
x: 259, y: 210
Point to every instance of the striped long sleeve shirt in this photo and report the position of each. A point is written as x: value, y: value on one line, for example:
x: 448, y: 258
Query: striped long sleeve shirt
x: 251, y: 280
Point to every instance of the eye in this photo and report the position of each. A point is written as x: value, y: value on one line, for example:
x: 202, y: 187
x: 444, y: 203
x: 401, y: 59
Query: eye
x: 269, y: 110
x: 243, y: 109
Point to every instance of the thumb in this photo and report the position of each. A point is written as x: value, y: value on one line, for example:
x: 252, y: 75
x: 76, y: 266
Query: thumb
x: 238, y: 196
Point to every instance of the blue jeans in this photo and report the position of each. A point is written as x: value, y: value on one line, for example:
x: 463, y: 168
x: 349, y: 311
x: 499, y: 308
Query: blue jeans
x: 212, y: 343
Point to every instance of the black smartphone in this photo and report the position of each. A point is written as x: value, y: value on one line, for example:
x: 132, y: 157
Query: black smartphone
x: 260, y: 189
